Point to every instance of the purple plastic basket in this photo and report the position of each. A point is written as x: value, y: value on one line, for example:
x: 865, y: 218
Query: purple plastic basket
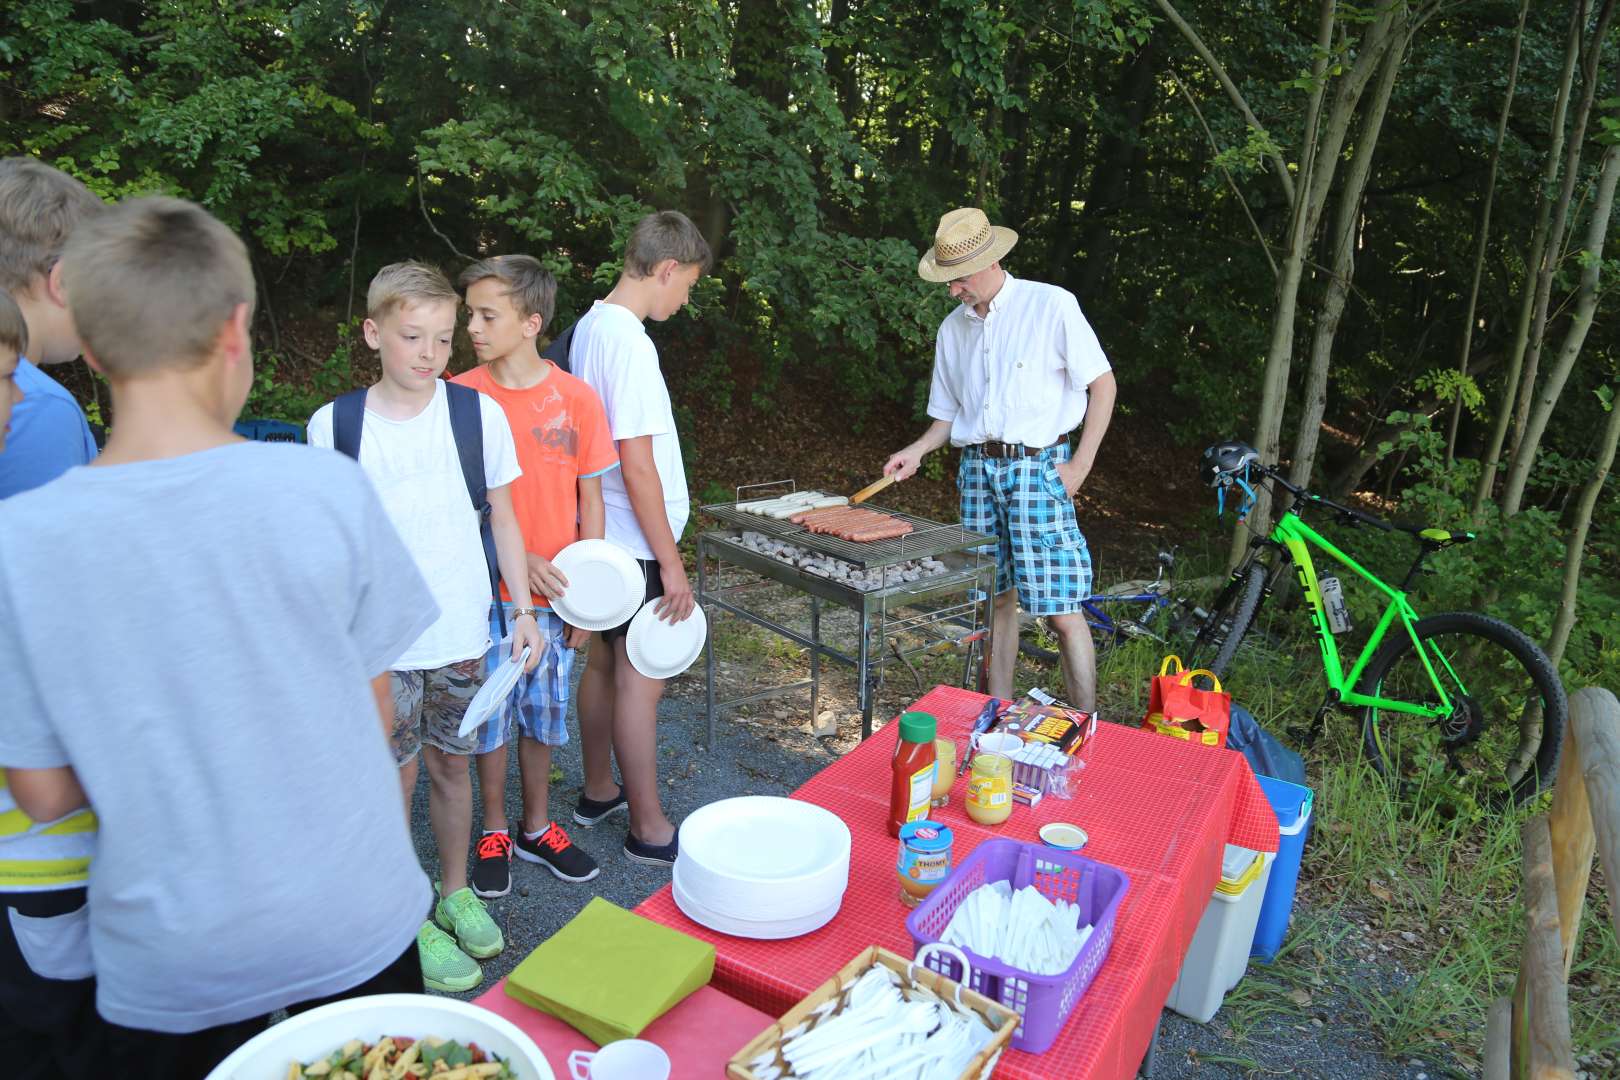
x: 1042, y: 1001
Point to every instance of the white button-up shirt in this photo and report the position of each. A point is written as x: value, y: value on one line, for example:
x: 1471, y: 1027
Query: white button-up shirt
x: 1018, y: 375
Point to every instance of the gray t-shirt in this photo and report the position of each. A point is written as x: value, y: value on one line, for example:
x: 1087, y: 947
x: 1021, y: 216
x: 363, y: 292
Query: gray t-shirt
x: 196, y: 636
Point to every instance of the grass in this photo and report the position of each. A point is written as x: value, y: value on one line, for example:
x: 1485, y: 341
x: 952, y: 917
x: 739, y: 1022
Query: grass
x: 1409, y: 922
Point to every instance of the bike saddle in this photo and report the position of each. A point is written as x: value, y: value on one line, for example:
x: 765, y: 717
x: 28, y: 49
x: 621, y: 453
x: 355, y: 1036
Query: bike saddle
x: 1225, y: 460
x: 1435, y: 539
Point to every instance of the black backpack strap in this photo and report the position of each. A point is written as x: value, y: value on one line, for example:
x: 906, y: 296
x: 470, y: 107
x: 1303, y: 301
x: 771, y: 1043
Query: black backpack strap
x: 467, y: 424
x: 348, y: 417
x: 561, y: 345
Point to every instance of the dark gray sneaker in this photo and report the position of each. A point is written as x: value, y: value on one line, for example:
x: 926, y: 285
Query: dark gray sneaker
x: 588, y: 812
x: 652, y: 854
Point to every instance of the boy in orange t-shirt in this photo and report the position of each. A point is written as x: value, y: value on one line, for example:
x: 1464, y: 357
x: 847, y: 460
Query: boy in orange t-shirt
x: 564, y: 447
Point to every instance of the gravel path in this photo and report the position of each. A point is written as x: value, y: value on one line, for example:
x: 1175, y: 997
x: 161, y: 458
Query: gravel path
x: 773, y: 758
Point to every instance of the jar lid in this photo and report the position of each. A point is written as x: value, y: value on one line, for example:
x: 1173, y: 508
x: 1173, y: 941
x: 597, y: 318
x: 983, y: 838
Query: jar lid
x: 917, y: 727
x: 926, y: 835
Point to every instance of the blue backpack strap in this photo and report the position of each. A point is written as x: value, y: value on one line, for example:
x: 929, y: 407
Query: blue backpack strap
x: 348, y: 417
x: 467, y: 424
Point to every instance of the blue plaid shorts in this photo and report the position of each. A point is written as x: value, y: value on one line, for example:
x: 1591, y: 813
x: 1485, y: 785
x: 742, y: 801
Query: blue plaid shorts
x: 1039, y: 548
x: 538, y: 705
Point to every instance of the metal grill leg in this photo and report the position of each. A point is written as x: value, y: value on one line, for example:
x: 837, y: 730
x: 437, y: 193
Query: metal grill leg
x: 708, y: 645
x: 815, y: 665
x: 863, y: 676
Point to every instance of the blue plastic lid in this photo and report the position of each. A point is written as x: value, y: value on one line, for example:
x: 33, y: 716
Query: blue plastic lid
x: 926, y: 835
x: 1290, y: 802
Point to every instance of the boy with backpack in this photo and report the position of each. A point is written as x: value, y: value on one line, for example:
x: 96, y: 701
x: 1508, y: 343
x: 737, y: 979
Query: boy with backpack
x: 647, y: 508
x: 435, y: 452
x: 565, y: 449
x: 195, y: 635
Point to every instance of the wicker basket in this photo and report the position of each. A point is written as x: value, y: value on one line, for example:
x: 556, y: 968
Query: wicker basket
x: 1001, y: 1019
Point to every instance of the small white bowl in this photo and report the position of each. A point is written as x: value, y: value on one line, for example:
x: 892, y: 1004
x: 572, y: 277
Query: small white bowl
x: 1063, y: 836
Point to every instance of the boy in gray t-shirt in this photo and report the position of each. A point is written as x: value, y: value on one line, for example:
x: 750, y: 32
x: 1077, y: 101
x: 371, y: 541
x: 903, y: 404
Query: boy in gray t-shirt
x: 195, y: 638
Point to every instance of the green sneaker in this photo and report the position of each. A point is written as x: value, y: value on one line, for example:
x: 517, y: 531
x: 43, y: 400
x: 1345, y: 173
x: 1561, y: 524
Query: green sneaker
x: 444, y: 966
x: 465, y: 916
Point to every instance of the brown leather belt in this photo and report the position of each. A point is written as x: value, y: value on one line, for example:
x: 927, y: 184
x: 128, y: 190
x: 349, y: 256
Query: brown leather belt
x: 1011, y: 450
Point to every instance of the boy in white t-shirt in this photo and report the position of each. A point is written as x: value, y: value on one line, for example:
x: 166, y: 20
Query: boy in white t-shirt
x: 408, y: 447
x: 647, y: 508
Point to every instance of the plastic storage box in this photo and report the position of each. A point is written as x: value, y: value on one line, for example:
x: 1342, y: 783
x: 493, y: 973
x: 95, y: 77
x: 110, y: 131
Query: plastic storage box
x: 1219, y: 952
x: 1043, y: 1002
x: 1292, y: 805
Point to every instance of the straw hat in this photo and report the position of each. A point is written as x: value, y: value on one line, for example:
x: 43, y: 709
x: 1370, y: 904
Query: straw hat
x: 964, y: 244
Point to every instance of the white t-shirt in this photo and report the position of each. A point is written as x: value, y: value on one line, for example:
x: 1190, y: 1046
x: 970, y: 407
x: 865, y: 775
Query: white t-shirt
x: 614, y: 355
x: 1020, y: 374
x: 417, y: 472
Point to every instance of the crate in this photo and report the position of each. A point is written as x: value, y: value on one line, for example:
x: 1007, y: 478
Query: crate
x: 1042, y: 1001
x: 1000, y: 1019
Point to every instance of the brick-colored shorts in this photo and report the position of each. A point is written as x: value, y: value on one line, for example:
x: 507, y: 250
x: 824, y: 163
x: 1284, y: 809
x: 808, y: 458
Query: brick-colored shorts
x: 429, y: 705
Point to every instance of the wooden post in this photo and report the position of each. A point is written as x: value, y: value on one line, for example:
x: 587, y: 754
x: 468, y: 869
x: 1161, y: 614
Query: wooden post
x: 1569, y: 823
x: 1546, y: 995
x: 1594, y: 721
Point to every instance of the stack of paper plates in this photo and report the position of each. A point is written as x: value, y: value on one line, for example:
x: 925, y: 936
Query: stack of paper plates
x: 605, y: 585
x: 762, y: 867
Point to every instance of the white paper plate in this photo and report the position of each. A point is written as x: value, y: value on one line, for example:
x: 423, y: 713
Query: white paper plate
x: 765, y: 841
x: 758, y: 903
x: 320, y: 1031
x: 662, y: 650
x: 486, y: 704
x: 760, y: 930
x: 605, y: 585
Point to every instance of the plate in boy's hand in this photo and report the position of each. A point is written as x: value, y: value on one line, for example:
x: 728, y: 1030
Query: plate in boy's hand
x: 662, y: 650
x: 486, y: 704
x: 605, y: 585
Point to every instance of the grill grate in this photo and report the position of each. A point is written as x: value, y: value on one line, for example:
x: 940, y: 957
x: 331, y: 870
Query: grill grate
x: 926, y: 540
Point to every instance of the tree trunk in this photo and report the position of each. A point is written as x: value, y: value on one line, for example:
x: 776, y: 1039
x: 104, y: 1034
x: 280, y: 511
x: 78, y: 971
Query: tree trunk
x: 1552, y: 255
x: 1060, y: 252
x: 1575, y: 551
x: 1344, y: 264
x: 1111, y: 174
x: 1538, y: 243
x: 1585, y: 309
x: 1485, y: 232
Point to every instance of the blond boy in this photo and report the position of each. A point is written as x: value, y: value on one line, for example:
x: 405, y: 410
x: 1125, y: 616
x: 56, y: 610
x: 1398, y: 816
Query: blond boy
x: 39, y: 208
x: 13, y: 343
x: 565, y: 448
x: 647, y: 508
x: 404, y: 436
x: 195, y: 634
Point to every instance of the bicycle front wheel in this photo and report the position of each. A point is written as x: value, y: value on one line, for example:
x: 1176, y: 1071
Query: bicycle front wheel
x: 1502, y: 736
x: 1223, y: 628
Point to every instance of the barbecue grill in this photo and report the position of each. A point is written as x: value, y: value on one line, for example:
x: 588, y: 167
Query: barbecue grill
x: 926, y: 591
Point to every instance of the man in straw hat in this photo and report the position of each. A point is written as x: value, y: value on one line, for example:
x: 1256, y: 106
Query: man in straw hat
x: 1016, y: 369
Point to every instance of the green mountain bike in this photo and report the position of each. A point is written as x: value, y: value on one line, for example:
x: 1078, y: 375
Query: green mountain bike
x: 1459, y: 689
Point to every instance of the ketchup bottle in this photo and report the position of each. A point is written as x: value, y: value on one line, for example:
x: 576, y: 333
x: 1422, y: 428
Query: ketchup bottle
x: 911, y: 786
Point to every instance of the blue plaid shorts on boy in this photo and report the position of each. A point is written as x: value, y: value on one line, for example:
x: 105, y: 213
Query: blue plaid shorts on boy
x: 1039, y: 548
x: 538, y: 705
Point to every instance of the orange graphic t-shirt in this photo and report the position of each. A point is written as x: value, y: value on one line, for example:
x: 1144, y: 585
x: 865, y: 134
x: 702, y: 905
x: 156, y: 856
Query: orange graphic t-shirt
x: 562, y: 436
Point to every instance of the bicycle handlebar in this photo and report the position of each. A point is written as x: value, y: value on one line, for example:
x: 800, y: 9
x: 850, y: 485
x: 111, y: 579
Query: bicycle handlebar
x: 1320, y: 500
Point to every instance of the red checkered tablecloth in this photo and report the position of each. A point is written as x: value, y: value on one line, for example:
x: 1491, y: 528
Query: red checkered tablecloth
x: 1159, y: 809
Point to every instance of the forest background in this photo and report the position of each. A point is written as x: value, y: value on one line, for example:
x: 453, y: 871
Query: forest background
x: 1368, y: 238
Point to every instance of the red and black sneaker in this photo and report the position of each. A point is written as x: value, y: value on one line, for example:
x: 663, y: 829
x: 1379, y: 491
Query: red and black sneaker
x: 553, y: 850
x: 492, y: 869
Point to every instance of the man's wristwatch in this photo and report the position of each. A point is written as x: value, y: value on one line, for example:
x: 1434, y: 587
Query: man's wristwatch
x: 533, y: 613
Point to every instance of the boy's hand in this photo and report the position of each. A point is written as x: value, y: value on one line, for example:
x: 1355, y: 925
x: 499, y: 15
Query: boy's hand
x: 526, y: 631
x: 545, y: 578
x: 574, y: 637
x: 677, y: 602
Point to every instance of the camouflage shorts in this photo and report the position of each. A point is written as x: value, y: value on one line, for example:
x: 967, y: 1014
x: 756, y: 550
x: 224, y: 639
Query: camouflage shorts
x: 429, y: 705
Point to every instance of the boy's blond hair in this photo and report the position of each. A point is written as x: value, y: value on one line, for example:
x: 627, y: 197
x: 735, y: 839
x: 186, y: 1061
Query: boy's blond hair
x: 409, y: 282
x: 668, y: 234
x: 13, y: 327
x: 532, y: 288
x: 151, y: 282
x: 39, y: 209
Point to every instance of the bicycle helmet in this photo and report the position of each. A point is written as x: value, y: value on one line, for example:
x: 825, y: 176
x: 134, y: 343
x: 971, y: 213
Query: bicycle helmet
x: 1225, y: 461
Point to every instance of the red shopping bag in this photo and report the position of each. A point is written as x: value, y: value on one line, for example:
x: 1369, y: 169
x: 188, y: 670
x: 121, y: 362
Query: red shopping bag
x: 1183, y: 711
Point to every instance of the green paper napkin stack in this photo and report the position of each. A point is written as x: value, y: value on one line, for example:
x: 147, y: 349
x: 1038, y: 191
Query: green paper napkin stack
x: 609, y: 973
